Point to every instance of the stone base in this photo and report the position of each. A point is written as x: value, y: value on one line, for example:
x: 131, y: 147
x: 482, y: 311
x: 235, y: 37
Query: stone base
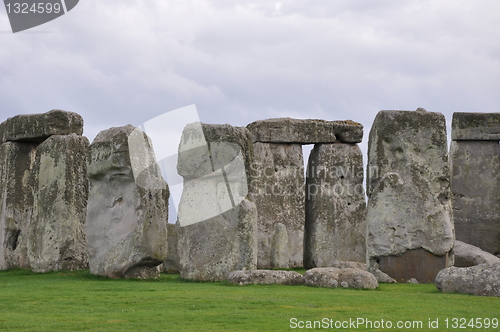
x: 417, y: 263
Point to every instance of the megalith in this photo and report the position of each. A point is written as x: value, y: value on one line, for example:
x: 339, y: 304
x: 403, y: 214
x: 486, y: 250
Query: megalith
x: 127, y: 212
x: 279, y: 248
x: 217, y: 221
x: 16, y: 203
x: 409, y: 225
x: 335, y: 226
x: 171, y: 263
x: 475, y: 179
x: 56, y: 239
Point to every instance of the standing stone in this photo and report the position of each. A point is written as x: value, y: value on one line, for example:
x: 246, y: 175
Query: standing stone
x: 408, y: 212
x: 475, y: 185
x: 171, y: 263
x: 279, y: 248
x: 128, y: 206
x: 16, y: 203
x: 217, y: 232
x: 56, y: 238
x: 278, y: 192
x: 335, y: 227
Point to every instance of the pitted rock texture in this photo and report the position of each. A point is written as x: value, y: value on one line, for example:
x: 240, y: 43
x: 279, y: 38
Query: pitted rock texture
x: 482, y: 280
x: 475, y: 186
x: 308, y: 131
x: 128, y: 206
x: 332, y: 277
x: 171, y: 264
x: 215, y: 163
x: 266, y: 277
x: 56, y: 239
x: 211, y: 249
x: 278, y: 192
x: 408, y: 186
x: 475, y: 127
x: 279, y: 248
x: 379, y: 275
x: 468, y: 255
x: 335, y: 227
x: 16, y: 203
x: 38, y: 127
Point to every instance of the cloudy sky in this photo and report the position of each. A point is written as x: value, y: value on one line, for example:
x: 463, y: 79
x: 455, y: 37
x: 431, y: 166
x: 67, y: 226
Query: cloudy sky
x: 117, y: 62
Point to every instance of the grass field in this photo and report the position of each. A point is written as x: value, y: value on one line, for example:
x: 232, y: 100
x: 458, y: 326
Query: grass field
x: 79, y: 301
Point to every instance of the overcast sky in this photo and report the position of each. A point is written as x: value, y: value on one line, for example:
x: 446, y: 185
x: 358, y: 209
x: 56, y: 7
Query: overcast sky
x: 120, y: 62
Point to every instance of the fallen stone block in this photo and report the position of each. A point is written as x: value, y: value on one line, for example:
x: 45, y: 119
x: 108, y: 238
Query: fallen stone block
x: 305, y: 131
x: 335, y: 223
x: 475, y: 127
x: 38, y: 127
x: 266, y: 277
x: 332, y: 277
x: 56, y: 239
x: 128, y: 206
x: 481, y: 280
x: 468, y: 255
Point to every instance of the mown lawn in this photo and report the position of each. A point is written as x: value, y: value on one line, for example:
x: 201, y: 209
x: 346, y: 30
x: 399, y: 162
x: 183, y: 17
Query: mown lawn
x: 78, y: 301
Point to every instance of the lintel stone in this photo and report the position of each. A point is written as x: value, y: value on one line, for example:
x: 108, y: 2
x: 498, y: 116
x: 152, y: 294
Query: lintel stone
x: 475, y: 127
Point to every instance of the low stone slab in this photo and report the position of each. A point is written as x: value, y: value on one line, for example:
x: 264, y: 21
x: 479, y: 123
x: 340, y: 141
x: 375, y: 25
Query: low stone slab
x: 128, y: 206
x: 332, y: 277
x: 59, y: 182
x: 475, y: 127
x: 16, y: 203
x: 468, y: 255
x: 335, y: 224
x: 308, y: 131
x: 266, y: 277
x: 38, y: 127
x: 482, y: 280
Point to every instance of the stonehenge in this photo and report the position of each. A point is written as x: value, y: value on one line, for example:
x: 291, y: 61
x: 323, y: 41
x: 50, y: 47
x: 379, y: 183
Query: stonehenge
x: 248, y: 203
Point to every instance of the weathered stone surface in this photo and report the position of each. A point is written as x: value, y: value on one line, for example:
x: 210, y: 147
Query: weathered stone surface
x: 335, y: 226
x: 171, y: 264
x: 215, y: 163
x: 308, y: 131
x: 266, y: 277
x: 16, y: 203
x: 56, y: 239
x: 278, y: 192
x: 128, y: 206
x: 475, y: 126
x: 468, y: 255
x: 379, y: 275
x: 279, y: 248
x: 38, y: 127
x: 332, y: 277
x: 408, y: 186
x: 482, y: 280
x: 211, y: 249
x: 475, y: 185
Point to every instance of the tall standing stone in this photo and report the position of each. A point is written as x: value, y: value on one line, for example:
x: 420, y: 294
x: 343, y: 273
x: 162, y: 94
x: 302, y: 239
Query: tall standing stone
x: 56, y: 238
x: 278, y: 192
x: 279, y: 248
x: 217, y: 232
x: 335, y: 227
x: 16, y: 203
x: 128, y: 206
x: 409, y: 224
x: 475, y: 179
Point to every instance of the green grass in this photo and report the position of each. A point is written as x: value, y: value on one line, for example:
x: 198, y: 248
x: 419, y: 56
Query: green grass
x: 78, y: 301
